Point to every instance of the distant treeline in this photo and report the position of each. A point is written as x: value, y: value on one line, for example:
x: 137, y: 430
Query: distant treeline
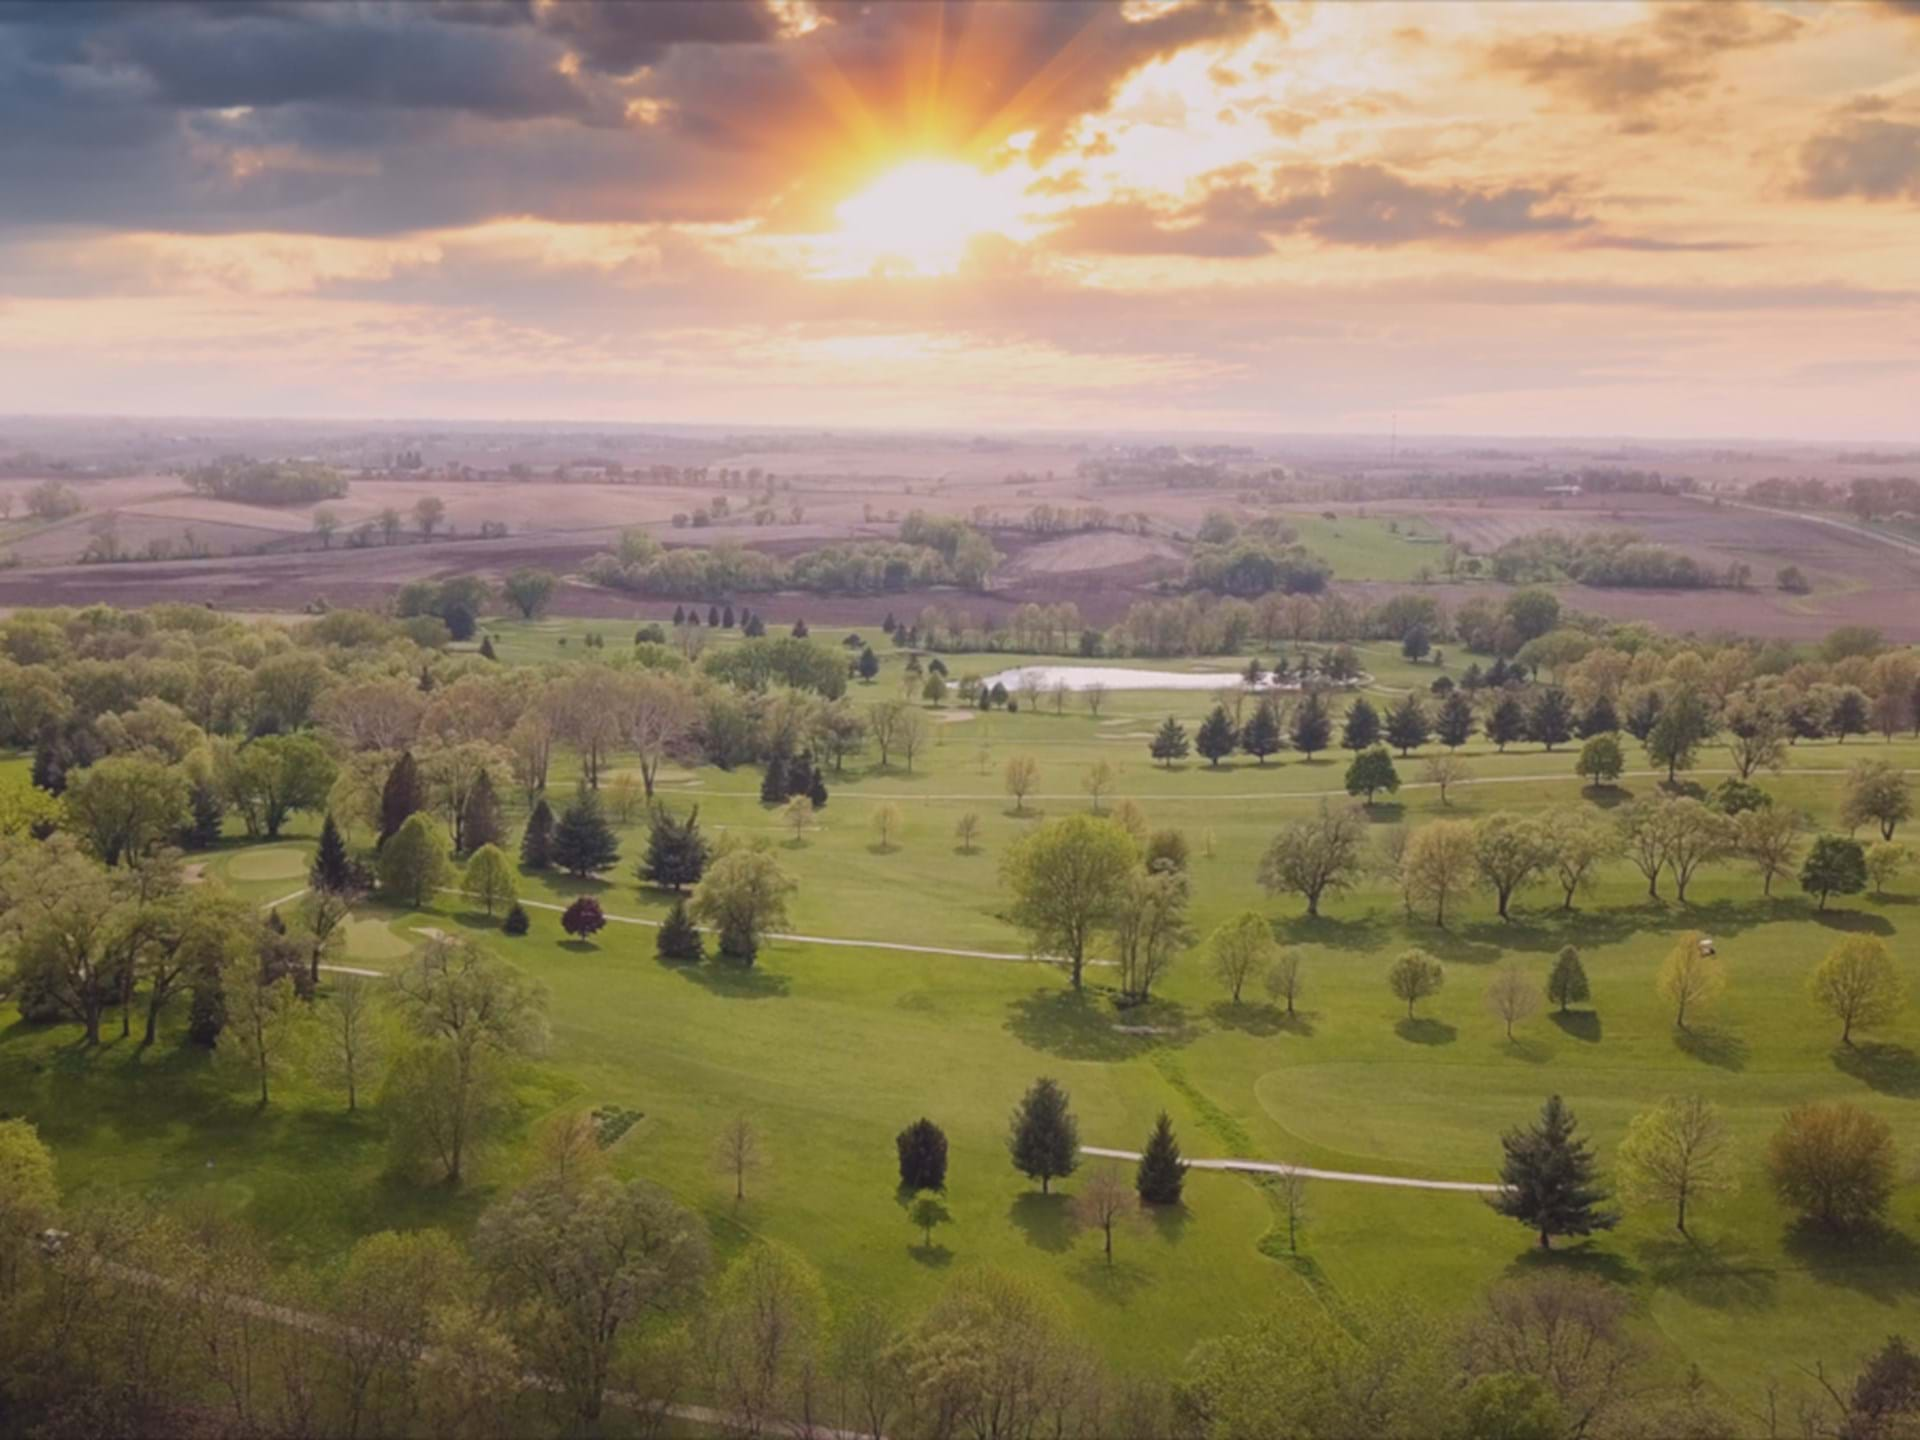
x: 267, y: 482
x: 1611, y: 559
x: 1869, y: 497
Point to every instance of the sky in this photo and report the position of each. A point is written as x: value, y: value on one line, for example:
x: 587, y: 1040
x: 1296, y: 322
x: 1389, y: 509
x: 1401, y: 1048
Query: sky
x: 1688, y: 219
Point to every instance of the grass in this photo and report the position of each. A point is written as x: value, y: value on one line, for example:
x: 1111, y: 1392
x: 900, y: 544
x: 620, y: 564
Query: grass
x: 1364, y: 548
x: 832, y: 1050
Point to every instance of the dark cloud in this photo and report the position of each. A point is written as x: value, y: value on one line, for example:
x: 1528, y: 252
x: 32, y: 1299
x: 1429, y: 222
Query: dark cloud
x: 1862, y: 157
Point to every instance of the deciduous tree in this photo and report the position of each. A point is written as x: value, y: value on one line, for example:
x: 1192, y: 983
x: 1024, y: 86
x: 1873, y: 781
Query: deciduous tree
x: 1835, y: 1163
x: 1858, y: 985
x: 1413, y: 976
x: 1678, y: 1153
x: 1067, y: 878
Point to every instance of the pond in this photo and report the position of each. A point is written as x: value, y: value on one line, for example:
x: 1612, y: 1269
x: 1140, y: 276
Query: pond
x: 1114, y: 677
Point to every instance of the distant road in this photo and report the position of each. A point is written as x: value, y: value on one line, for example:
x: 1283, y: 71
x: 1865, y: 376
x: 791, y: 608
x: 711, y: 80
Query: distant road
x: 1832, y: 522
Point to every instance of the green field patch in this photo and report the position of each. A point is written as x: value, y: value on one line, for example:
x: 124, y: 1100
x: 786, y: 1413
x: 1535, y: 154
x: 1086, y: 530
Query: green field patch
x: 371, y: 938
x: 274, y: 862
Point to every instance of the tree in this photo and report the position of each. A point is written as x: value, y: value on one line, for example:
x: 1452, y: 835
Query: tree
x: 797, y: 816
x: 1678, y: 1153
x: 678, y: 939
x: 742, y: 896
x: 1443, y: 772
x: 1877, y: 793
x: 657, y: 716
x: 1260, y: 736
x: 1439, y: 863
x: 536, y: 842
x: 1697, y: 835
x: 1240, y: 949
x: 1407, y: 727
x: 1858, y: 985
x: 1169, y: 743
x: 1548, y: 1178
x: 268, y: 779
x: 922, y: 1148
x: 1317, y: 855
x: 1690, y: 978
x: 1283, y: 979
x: 124, y: 804
x: 263, y: 1021
x: 1675, y: 740
x: 583, y: 919
x: 1769, y: 840
x: 1567, y: 981
x: 1217, y: 736
x: 1043, y: 1137
x: 1835, y: 1163
x: 1162, y: 1173
x: 428, y: 512
x: 1510, y: 851
x: 1022, y: 774
x: 762, y: 1335
x: 1836, y: 865
x: 348, y: 1022
x: 29, y: 1200
x: 481, y: 823
x: 1886, y: 860
x: 1454, y: 724
x: 1413, y: 976
x: 404, y: 795
x: 1371, y: 771
x: 1150, y: 927
x: 677, y: 852
x: 1506, y: 722
x: 868, y: 665
x: 1066, y: 879
x: 1511, y: 997
x: 1550, y: 718
x: 1576, y: 843
x: 1103, y: 1203
x: 1312, y: 725
x: 1756, y: 736
x: 886, y: 825
x: 416, y: 861
x: 529, y: 589
x: 583, y: 842
x: 333, y: 870
x: 1360, y: 730
x: 1646, y: 838
x: 516, y: 922
x: 967, y: 831
x: 1601, y: 762
x: 737, y: 1153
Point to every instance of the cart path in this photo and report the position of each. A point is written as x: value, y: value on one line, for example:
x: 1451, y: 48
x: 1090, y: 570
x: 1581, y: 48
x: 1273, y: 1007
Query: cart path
x: 1266, y: 1167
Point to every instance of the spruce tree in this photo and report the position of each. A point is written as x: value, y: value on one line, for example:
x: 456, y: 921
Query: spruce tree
x: 922, y: 1147
x: 333, y: 869
x: 678, y: 939
x: 676, y: 850
x: 1169, y: 743
x: 1162, y: 1172
x: 1043, y: 1137
x: 773, y: 784
x: 1507, y: 723
x: 404, y: 795
x: 713, y: 617
x: 800, y: 629
x: 1548, y: 1181
x: 1453, y: 726
x: 1262, y: 737
x: 1407, y: 726
x: 536, y: 845
x: 1550, y: 721
x: 516, y: 922
x: 206, y: 814
x: 817, y: 791
x: 583, y: 842
x: 679, y: 614
x: 869, y: 663
x: 1217, y: 736
x: 1362, y: 727
x: 1567, y: 983
x: 486, y: 648
x: 1600, y: 719
x: 481, y: 822
x: 799, y: 774
x: 1312, y: 725
x: 726, y: 618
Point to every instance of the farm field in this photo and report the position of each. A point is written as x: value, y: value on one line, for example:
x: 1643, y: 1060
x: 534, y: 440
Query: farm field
x: 831, y: 1049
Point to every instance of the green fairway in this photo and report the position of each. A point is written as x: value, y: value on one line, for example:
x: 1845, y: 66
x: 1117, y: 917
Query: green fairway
x: 831, y: 1050
x: 1364, y: 548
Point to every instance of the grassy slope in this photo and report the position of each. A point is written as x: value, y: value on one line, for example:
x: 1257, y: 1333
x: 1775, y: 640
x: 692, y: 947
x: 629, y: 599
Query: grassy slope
x: 832, y: 1050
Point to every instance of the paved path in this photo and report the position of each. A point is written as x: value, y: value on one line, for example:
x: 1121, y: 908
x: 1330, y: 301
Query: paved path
x: 1265, y: 1167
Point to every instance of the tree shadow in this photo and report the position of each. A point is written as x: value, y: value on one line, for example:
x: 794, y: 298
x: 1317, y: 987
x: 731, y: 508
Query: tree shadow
x: 1386, y: 812
x: 1367, y: 933
x: 1531, y: 1052
x: 1168, y: 1221
x: 1071, y: 1024
x: 1249, y: 1019
x: 579, y: 947
x: 1706, y: 1273
x: 1721, y: 1049
x: 1876, y: 1260
x: 1890, y: 1069
x: 1045, y: 1219
x: 1426, y: 1031
x: 934, y: 1257
x: 1582, y: 1257
x: 879, y: 849
x: 1117, y: 1281
x: 1456, y: 948
x: 1605, y: 796
x: 1857, y: 922
x: 1581, y: 1025
x: 733, y: 981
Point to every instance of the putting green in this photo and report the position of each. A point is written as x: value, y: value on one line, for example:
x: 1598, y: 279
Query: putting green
x: 374, y: 940
x: 277, y: 862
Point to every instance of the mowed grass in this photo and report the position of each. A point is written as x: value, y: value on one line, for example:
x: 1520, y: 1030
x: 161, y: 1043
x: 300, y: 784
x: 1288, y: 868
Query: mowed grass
x: 832, y: 1050
x: 1365, y: 548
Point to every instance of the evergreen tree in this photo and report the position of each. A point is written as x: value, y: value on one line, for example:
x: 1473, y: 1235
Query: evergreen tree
x: 1371, y: 771
x: 1407, y: 726
x: 869, y: 663
x: 676, y: 850
x: 1600, y: 718
x: 583, y: 842
x: 1567, y: 984
x: 1643, y: 713
x: 713, y: 616
x: 1261, y: 737
x: 207, y: 1015
x: 1169, y: 743
x: 333, y: 869
x: 1454, y: 724
x: 404, y: 795
x: 753, y: 627
x: 486, y: 648
x: 1162, y: 1172
x: 1507, y: 723
x: 536, y: 844
x: 726, y: 618
x: 679, y: 939
x: 1217, y: 736
x: 206, y: 813
x: 679, y: 614
x: 922, y: 1147
x: 481, y: 822
x: 516, y: 922
x: 1550, y: 721
x: 773, y: 785
x: 1043, y: 1136
x: 800, y: 774
x: 817, y: 791
x: 1362, y: 727
x: 1548, y: 1180
x: 1312, y: 725
x: 799, y: 629
x: 275, y: 923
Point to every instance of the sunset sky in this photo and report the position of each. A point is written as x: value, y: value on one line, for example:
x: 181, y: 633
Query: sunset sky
x: 1690, y: 219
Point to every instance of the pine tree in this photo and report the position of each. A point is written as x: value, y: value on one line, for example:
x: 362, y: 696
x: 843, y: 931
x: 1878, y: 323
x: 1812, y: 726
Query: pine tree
x: 1548, y: 1180
x: 516, y: 922
x: 1407, y: 726
x: 679, y: 939
x: 333, y: 869
x: 713, y: 616
x: 481, y: 822
x: 1262, y: 737
x: 817, y: 791
x: 726, y: 618
x: 1600, y: 719
x: 1550, y: 721
x: 1507, y: 723
x: 404, y: 795
x: 1162, y: 1172
x: 1567, y: 984
x: 1170, y: 743
x: 679, y: 614
x: 275, y: 923
x: 773, y: 785
x: 583, y: 842
x: 1217, y: 736
x: 1362, y: 727
x: 800, y: 629
x: 1312, y: 725
x: 869, y: 664
x: 753, y: 627
x: 1043, y: 1136
x: 922, y: 1148
x: 676, y: 850
x: 800, y: 774
x: 206, y: 814
x: 486, y: 648
x: 536, y: 845
x: 1454, y: 724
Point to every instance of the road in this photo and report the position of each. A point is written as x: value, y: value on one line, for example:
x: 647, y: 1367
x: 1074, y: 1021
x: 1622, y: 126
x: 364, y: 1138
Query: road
x: 1266, y: 1167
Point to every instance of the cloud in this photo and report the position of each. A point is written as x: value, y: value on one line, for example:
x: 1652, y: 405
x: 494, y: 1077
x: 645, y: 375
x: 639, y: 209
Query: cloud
x: 1862, y: 157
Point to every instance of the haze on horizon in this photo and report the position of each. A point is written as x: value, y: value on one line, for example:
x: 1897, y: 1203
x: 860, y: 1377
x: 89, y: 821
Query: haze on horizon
x: 1684, y: 220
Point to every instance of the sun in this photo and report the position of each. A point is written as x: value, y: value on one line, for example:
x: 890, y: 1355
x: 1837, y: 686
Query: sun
x: 922, y: 215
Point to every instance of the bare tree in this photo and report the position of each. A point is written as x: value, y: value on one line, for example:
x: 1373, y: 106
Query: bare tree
x: 1105, y: 1201
x: 967, y: 831
x: 348, y: 1021
x: 1441, y: 771
x: 1512, y: 997
x: 1100, y: 778
x: 1095, y: 694
x: 1023, y: 773
x: 738, y: 1153
x: 1283, y: 978
x: 1290, y: 1193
